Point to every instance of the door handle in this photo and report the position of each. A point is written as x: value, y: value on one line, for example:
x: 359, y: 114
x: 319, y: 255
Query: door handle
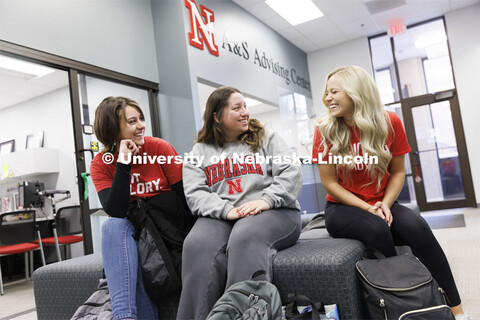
x: 82, y: 151
x: 418, y: 178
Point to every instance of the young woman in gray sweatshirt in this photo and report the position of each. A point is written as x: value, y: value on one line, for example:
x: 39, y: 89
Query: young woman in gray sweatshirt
x: 243, y: 183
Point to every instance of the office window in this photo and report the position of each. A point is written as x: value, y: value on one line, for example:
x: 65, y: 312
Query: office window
x: 423, y: 47
x: 422, y: 58
x: 383, y: 66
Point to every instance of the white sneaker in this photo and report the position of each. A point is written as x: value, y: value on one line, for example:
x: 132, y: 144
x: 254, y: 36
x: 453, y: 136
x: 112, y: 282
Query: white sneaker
x: 462, y: 316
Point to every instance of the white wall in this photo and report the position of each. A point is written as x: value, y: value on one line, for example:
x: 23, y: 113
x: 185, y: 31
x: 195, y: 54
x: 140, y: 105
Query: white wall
x: 463, y: 29
x: 50, y: 113
x: 411, y: 78
x: 462, y: 26
x: 321, y: 62
x: 116, y: 35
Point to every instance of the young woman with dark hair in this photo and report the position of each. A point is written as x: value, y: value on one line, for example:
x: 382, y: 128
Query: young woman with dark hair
x: 247, y: 208
x: 120, y: 124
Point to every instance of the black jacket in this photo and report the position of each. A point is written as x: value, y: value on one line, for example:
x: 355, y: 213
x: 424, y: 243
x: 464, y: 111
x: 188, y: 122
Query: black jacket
x: 161, y: 224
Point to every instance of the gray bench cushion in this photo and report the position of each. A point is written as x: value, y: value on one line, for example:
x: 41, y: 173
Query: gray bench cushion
x: 60, y: 288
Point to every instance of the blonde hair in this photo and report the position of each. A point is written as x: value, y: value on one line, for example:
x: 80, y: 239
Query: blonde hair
x: 369, y: 117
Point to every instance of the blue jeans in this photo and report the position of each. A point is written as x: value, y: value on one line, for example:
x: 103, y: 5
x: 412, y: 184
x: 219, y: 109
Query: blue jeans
x: 124, y: 277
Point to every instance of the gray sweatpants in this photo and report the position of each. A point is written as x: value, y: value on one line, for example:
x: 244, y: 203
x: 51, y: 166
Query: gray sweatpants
x: 219, y: 253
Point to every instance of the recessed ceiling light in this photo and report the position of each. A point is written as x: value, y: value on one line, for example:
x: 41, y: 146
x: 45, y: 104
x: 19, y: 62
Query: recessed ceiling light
x: 295, y: 12
x: 251, y: 102
x: 24, y: 66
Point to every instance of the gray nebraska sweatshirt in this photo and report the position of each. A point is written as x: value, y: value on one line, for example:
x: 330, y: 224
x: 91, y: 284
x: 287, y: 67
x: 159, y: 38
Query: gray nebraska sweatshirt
x: 223, y: 178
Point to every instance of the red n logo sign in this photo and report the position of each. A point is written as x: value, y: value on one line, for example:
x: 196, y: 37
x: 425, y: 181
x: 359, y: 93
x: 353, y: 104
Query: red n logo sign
x: 199, y: 26
x: 235, y: 186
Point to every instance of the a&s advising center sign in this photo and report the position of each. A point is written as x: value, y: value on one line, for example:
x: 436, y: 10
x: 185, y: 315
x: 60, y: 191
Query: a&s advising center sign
x: 202, y: 35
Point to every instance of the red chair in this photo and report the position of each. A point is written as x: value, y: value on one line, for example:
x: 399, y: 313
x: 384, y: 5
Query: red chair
x: 67, y: 226
x: 17, y: 232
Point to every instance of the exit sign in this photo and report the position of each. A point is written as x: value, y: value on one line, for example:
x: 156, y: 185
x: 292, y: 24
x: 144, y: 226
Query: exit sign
x: 395, y: 29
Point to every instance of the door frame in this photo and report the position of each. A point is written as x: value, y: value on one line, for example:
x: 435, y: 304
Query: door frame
x: 74, y: 68
x: 407, y: 105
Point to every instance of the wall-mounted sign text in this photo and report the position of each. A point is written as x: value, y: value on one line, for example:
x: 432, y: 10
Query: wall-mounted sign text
x: 202, y: 31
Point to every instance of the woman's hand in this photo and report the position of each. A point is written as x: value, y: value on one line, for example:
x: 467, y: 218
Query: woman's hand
x: 248, y: 209
x: 127, y: 147
x: 383, y: 211
x: 233, y: 214
x: 253, y: 207
x: 387, y: 213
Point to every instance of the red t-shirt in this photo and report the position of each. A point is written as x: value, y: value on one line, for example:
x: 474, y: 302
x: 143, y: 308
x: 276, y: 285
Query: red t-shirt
x: 146, y: 180
x: 360, y: 183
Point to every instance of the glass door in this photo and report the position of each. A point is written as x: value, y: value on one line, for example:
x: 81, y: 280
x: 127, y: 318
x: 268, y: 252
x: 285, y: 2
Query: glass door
x: 439, y: 160
x: 92, y: 91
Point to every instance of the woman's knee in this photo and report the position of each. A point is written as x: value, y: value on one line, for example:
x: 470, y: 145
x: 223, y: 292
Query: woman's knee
x: 115, y: 224
x: 407, y: 222
x: 197, y: 243
x: 208, y: 236
x: 378, y: 232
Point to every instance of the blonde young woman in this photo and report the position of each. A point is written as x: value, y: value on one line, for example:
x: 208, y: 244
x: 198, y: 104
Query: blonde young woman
x: 361, y: 200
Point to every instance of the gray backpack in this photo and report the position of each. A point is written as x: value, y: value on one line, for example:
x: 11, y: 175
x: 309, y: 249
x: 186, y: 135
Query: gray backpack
x: 97, y: 307
x: 249, y: 299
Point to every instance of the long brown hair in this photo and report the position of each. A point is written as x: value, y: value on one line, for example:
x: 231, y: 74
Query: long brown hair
x: 213, y: 133
x: 107, y: 120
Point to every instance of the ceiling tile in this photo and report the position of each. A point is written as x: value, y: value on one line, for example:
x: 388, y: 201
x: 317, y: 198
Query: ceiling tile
x: 333, y: 36
x: 329, y: 6
x: 352, y: 13
x: 302, y: 43
x: 310, y: 48
x: 458, y: 4
x: 247, y: 3
x: 330, y: 43
x: 413, y: 12
x: 276, y: 22
x: 343, y: 19
x: 363, y: 26
x: 290, y: 33
x: 314, y: 25
x: 325, y: 33
x: 261, y: 10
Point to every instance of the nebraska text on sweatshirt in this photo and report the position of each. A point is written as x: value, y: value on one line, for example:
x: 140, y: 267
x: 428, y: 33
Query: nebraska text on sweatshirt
x: 235, y: 176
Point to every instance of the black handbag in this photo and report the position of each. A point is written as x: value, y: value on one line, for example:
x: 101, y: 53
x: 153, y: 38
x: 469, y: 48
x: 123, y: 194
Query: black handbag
x: 400, y: 287
x: 291, y: 311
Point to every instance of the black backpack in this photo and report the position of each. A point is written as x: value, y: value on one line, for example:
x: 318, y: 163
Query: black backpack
x: 249, y: 299
x: 400, y: 287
